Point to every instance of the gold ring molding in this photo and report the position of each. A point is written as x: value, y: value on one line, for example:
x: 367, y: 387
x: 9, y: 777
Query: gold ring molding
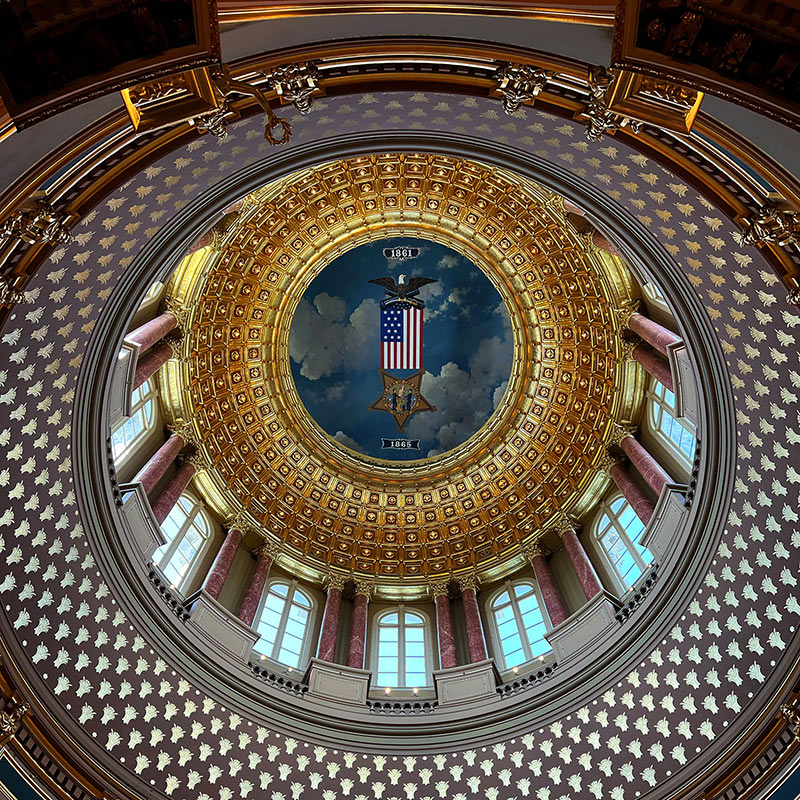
x: 470, y: 508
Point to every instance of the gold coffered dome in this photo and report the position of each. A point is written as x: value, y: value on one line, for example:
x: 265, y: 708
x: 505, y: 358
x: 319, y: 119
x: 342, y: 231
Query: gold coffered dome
x: 470, y: 508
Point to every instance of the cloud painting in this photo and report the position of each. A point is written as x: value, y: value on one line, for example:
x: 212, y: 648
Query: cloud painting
x: 334, y: 347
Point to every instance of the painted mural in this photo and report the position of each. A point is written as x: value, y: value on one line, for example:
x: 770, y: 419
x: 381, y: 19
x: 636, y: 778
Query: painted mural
x: 401, y: 349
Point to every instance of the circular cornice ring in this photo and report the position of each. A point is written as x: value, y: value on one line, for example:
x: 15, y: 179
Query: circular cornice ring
x: 679, y: 577
x: 469, y: 508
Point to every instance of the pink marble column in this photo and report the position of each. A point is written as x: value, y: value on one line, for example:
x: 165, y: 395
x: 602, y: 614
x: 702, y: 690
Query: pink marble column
x: 654, y: 364
x: 358, y: 629
x: 654, y: 334
x: 573, y: 209
x: 329, y: 633
x: 153, y: 330
x: 444, y: 626
x: 654, y: 474
x: 155, y: 469
x: 204, y: 241
x: 258, y: 580
x: 151, y: 362
x: 165, y: 502
x: 215, y: 579
x: 551, y: 595
x: 600, y: 242
x: 476, y: 644
x: 584, y: 569
x: 632, y: 492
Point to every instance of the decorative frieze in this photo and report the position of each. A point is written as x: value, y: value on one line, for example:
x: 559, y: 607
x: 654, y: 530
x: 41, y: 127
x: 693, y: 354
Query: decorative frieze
x: 296, y: 83
x: 518, y: 84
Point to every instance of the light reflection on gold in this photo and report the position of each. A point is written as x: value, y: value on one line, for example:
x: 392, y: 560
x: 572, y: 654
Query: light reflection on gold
x: 403, y: 525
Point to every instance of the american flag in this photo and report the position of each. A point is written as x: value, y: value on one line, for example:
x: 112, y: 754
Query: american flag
x: 401, y: 336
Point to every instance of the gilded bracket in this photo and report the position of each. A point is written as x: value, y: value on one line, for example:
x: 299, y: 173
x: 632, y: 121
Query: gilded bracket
x: 518, y: 84
x: 296, y: 83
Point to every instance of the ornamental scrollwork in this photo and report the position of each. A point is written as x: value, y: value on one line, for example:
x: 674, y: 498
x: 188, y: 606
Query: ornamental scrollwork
x: 771, y: 225
x: 36, y: 223
x: 600, y: 119
x: 296, y: 83
x: 518, y: 84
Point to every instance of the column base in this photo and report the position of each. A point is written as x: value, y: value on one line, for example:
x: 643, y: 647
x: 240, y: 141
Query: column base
x: 468, y: 683
x: 585, y: 628
x: 140, y: 524
x: 334, y: 684
x: 220, y: 628
x: 660, y: 537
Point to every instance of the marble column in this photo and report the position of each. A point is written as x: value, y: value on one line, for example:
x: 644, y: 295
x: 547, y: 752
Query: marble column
x: 641, y: 504
x: 171, y: 493
x: 265, y: 555
x: 653, y: 473
x: 153, y: 330
x: 601, y: 243
x: 655, y: 335
x: 553, y: 602
x: 476, y: 643
x: 155, y: 469
x: 329, y: 633
x: 653, y: 363
x: 215, y: 579
x: 584, y: 569
x: 358, y: 629
x: 151, y: 362
x: 444, y: 626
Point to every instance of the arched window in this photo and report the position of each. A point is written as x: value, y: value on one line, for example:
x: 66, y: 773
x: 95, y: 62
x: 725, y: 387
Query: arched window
x: 403, y: 644
x: 519, y: 624
x: 187, y: 530
x: 284, y: 623
x: 127, y: 435
x: 618, y: 530
x: 678, y: 435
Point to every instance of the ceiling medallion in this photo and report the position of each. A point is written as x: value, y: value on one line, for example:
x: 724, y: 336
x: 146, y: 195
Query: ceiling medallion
x: 470, y: 507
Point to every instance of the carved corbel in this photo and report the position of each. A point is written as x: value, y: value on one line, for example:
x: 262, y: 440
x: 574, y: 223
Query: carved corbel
x: 36, y: 222
x: 771, y: 225
x: 791, y: 714
x: 296, y: 83
x: 9, y: 296
x: 518, y: 84
x: 600, y: 119
x: 11, y: 718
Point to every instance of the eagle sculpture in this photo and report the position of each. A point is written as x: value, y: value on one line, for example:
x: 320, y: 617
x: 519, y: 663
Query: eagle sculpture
x: 401, y: 289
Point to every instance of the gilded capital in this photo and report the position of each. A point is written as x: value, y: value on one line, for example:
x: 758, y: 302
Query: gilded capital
x: 335, y: 580
x: 269, y: 548
x: 197, y: 459
x: 239, y: 522
x: 184, y: 430
x: 533, y: 550
x: 619, y: 432
x: 440, y: 589
x: 468, y: 582
x: 628, y: 346
x: 180, y: 312
x: 364, y: 587
x: 608, y: 461
x: 563, y: 523
x: 624, y: 312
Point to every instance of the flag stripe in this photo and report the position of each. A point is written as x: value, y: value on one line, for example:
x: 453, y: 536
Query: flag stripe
x: 401, y: 337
